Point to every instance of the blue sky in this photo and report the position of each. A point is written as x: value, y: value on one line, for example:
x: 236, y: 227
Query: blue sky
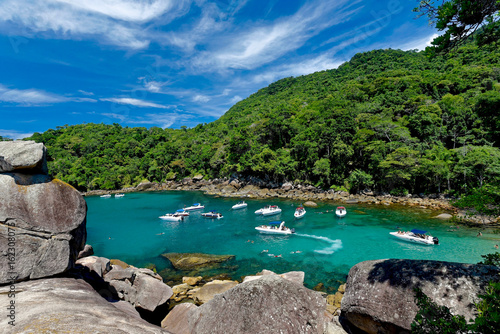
x: 170, y: 63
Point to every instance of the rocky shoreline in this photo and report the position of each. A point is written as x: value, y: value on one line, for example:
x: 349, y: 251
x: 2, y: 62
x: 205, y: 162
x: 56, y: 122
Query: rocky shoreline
x: 258, y: 189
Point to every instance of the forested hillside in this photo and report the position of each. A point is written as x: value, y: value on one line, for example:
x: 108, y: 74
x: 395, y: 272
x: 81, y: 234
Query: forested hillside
x: 388, y: 120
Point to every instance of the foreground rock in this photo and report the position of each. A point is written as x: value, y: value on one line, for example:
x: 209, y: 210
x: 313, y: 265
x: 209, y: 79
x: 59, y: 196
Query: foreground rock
x: 379, y: 296
x: 211, y: 289
x: 141, y: 287
x: 270, y: 304
x: 22, y: 155
x: 42, y: 218
x: 188, y: 261
x: 66, y: 305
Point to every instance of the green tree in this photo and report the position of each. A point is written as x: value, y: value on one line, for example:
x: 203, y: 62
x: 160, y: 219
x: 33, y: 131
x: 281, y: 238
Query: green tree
x: 459, y: 19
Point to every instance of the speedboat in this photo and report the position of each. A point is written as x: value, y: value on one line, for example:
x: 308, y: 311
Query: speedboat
x: 240, y: 205
x: 340, y: 211
x: 172, y: 217
x: 299, y: 212
x: 182, y: 213
x: 272, y: 210
x: 259, y: 212
x: 212, y: 214
x: 416, y: 236
x: 276, y: 227
x: 195, y: 206
x: 119, y: 195
x: 106, y: 196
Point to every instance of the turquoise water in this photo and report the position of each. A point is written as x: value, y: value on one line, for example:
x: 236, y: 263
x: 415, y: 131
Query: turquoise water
x: 129, y: 229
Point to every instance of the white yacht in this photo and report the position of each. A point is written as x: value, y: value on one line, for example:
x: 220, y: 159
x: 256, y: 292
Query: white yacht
x: 416, y: 236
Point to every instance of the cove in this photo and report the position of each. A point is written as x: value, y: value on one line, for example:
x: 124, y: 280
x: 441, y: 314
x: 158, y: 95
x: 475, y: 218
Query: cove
x: 324, y: 246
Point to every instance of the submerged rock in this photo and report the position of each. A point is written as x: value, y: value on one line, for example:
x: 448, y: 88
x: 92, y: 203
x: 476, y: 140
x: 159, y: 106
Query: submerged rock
x: 379, y: 295
x: 187, y: 261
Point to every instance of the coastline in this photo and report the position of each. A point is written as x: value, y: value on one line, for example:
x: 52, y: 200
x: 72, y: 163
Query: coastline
x: 307, y: 193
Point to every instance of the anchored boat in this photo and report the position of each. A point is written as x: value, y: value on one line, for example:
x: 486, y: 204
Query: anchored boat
x: 340, y: 211
x: 172, y: 217
x: 240, y: 205
x: 299, y: 212
x: 195, y: 206
x: 212, y: 214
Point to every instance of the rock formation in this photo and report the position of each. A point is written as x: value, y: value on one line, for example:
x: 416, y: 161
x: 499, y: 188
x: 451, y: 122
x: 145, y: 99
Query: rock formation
x: 379, y: 296
x: 42, y: 220
x: 270, y: 304
x: 67, y: 305
x: 22, y: 156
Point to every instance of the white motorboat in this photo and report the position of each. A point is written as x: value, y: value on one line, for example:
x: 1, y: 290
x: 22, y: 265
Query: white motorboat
x: 340, y: 211
x: 212, y: 214
x: 240, y: 205
x: 119, y: 195
x: 259, y: 212
x: 195, y: 206
x: 172, y: 217
x: 106, y: 196
x: 299, y: 212
x: 276, y: 227
x: 416, y: 236
x: 271, y: 210
x: 182, y: 213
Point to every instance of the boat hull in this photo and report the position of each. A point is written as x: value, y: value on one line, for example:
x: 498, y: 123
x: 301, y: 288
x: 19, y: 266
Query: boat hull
x: 299, y: 215
x: 211, y: 216
x: 171, y: 218
x: 273, y: 231
x: 193, y: 208
x: 412, y: 239
x: 239, y: 206
x: 340, y: 214
x: 271, y: 213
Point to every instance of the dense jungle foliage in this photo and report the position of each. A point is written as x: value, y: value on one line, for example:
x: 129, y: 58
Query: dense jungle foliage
x: 388, y: 120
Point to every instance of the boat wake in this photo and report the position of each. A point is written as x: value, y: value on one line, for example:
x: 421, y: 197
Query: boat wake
x: 335, y: 245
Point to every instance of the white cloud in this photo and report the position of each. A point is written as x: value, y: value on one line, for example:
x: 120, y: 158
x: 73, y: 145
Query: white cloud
x: 126, y: 10
x: 13, y: 134
x: 420, y: 43
x: 253, y: 46
x: 115, y: 22
x: 135, y: 102
x: 235, y: 99
x: 29, y: 97
x: 201, y: 98
x: 164, y: 120
x: 307, y: 66
x: 85, y: 92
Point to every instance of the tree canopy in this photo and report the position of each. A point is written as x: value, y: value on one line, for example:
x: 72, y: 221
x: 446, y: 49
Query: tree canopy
x: 460, y: 19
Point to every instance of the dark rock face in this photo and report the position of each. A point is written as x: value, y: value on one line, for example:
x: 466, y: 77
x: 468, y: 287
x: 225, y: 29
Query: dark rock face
x: 44, y: 220
x: 22, y: 155
x: 270, y: 304
x: 379, y: 296
x: 67, y: 305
